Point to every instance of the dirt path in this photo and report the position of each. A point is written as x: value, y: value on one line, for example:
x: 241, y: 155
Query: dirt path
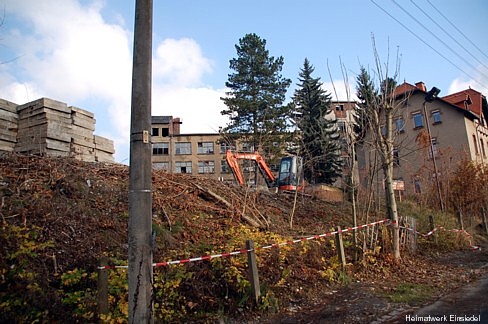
x: 466, y: 304
x: 361, y: 302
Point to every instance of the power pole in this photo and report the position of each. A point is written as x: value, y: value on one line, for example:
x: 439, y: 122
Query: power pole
x: 140, y: 200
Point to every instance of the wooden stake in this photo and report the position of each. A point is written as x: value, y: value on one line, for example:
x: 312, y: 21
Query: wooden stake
x: 253, y: 271
x: 340, y: 248
x: 102, y: 294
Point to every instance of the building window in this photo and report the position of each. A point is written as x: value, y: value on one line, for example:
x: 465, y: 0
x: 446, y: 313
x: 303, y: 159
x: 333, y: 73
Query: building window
x: 342, y: 126
x: 417, y: 185
x: 434, y: 147
x: 165, y: 132
x: 182, y: 148
x: 418, y: 120
x: 160, y: 148
x: 482, y: 148
x: 224, y: 167
x: 399, y: 125
x: 396, y: 157
x: 475, y: 142
x: 206, y: 167
x: 339, y: 108
x: 155, y: 131
x: 436, y: 117
x: 224, y: 147
x: 383, y: 131
x: 183, y: 167
x: 205, y: 148
x: 161, y: 166
x: 247, y: 147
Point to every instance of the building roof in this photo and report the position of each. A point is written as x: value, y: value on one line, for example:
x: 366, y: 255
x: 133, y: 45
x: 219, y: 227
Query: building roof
x: 453, y: 100
x: 467, y: 99
x: 161, y: 119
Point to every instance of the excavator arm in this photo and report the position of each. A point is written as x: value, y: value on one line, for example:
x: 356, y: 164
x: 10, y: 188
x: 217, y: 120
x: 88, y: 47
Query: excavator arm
x: 232, y: 160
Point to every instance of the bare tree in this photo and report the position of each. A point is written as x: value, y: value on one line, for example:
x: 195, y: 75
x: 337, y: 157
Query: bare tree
x: 379, y: 105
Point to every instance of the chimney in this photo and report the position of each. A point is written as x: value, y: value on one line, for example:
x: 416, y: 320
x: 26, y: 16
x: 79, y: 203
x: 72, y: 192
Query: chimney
x: 421, y: 86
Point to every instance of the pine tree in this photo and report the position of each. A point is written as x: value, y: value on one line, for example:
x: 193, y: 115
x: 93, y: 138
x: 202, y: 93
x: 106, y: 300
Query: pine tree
x: 255, y: 98
x: 320, y: 146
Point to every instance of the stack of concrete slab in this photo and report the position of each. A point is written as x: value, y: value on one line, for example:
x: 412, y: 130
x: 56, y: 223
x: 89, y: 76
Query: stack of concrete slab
x: 8, y: 125
x: 44, y: 127
x: 104, y: 149
x: 83, y: 125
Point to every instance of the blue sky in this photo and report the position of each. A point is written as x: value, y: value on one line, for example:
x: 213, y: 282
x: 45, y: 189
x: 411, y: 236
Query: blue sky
x: 80, y: 51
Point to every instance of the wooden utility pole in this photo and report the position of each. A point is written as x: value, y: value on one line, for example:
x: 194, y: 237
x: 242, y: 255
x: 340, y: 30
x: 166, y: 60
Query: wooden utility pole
x: 140, y: 200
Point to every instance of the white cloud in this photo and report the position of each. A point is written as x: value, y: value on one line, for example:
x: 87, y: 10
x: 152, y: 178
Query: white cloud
x: 70, y: 53
x: 339, y: 92
x: 459, y: 85
x: 180, y: 62
x: 198, y: 108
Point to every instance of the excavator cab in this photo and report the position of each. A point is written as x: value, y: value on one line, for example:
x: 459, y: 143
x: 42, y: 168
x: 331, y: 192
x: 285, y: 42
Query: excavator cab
x: 290, y: 177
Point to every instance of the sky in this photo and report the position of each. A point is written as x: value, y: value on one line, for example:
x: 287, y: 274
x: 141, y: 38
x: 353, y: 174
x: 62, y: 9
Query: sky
x: 80, y: 51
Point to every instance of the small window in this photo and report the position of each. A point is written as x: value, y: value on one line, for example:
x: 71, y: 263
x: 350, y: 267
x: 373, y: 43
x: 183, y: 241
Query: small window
x: 164, y: 132
x: 224, y: 147
x: 161, y: 166
x: 247, y: 147
x: 399, y: 125
x: 183, y: 167
x: 160, y: 148
x: 475, y: 142
x: 182, y: 148
x: 418, y: 121
x: 417, y: 185
x: 436, y: 117
x: 155, y: 131
x: 205, y: 148
x: 224, y: 167
x: 434, y: 148
x: 206, y: 167
x: 482, y: 148
x: 396, y: 157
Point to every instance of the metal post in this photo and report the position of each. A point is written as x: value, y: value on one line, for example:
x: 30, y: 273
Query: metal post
x: 140, y: 200
x: 439, y: 193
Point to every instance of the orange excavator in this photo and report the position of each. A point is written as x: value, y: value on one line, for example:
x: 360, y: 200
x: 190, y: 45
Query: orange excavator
x: 290, y: 177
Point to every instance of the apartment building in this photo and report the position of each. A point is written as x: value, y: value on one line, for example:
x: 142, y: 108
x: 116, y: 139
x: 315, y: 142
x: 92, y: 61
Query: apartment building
x: 198, y: 154
x: 432, y: 134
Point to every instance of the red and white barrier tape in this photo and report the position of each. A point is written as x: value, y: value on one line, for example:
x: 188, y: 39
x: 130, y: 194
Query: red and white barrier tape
x: 275, y: 245
x: 474, y: 247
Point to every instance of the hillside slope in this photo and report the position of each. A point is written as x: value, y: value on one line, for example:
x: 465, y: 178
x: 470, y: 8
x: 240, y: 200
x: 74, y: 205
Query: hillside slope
x: 60, y: 216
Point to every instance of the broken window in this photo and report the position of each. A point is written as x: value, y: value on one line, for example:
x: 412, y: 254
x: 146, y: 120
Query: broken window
x: 183, y: 167
x: 206, y: 167
x: 224, y: 166
x: 182, y: 148
x: 205, y: 148
x: 161, y: 166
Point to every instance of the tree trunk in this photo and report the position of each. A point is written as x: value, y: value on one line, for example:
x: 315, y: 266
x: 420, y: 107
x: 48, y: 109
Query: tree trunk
x: 387, y: 153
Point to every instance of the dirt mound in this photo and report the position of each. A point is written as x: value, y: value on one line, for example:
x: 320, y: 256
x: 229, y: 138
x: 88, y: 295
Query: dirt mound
x: 59, y: 216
